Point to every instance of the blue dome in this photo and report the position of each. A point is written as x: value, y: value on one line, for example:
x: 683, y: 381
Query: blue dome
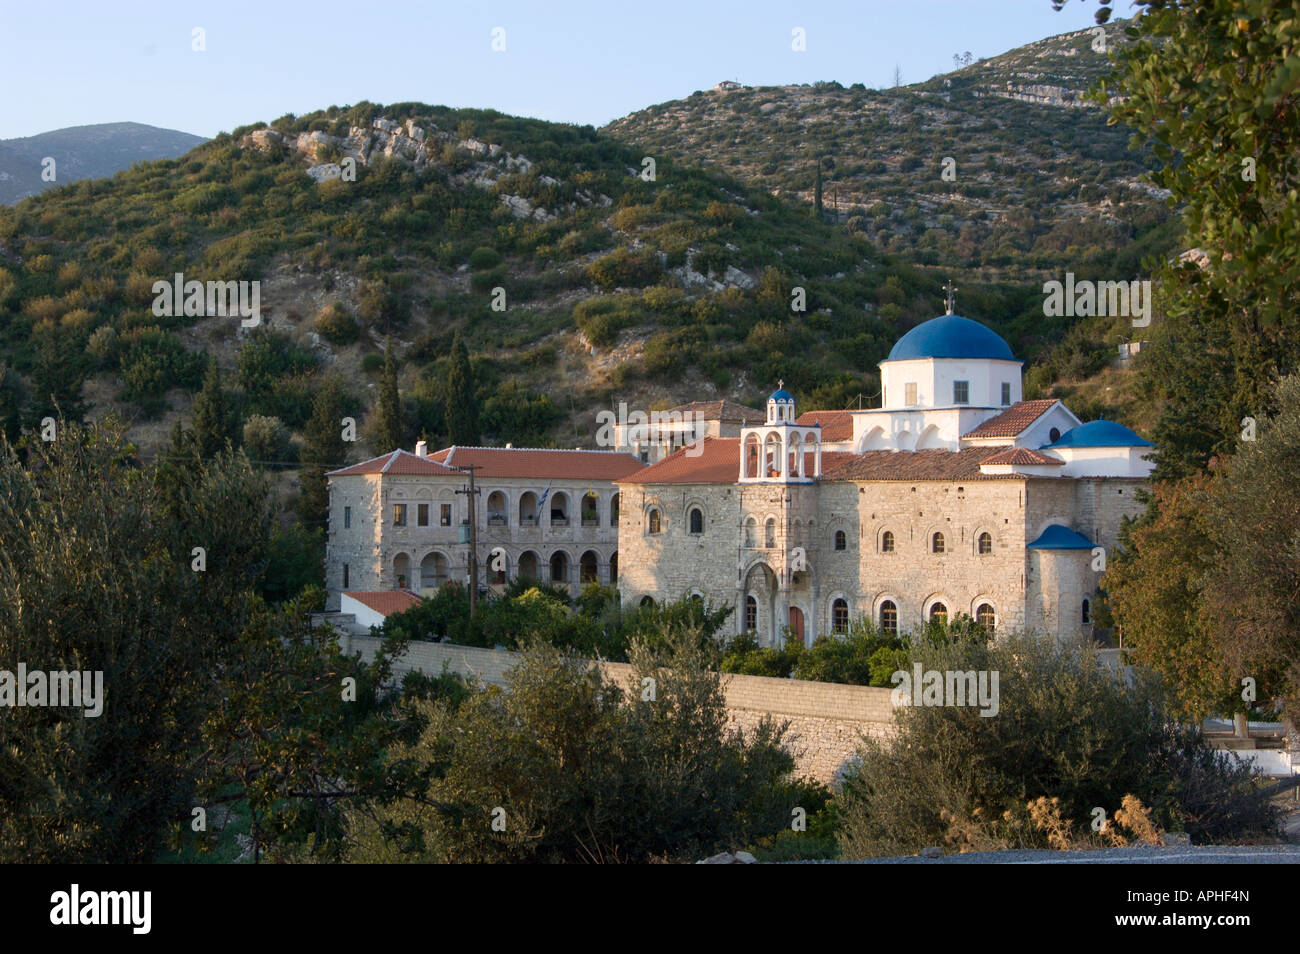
x: 951, y: 336
x: 781, y: 394
x: 1057, y: 537
x: 1101, y: 433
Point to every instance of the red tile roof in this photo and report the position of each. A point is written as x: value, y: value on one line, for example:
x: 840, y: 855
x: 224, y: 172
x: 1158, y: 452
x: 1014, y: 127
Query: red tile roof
x: 1013, y: 420
x: 1022, y: 455
x: 718, y: 462
x: 386, y: 602
x: 394, y: 462
x: 836, y: 425
x: 728, y: 412
x: 914, y: 465
x: 540, y: 463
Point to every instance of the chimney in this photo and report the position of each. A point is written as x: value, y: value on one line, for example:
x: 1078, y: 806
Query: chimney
x: 421, y: 448
x: 509, y: 446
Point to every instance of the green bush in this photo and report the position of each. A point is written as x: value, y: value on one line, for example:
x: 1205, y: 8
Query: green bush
x: 337, y: 325
x: 1065, y: 727
x: 586, y: 772
x: 483, y: 258
x: 266, y: 439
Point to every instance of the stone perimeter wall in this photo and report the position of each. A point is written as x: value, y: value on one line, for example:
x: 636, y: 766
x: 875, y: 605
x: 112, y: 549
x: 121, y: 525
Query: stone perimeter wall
x: 826, y: 720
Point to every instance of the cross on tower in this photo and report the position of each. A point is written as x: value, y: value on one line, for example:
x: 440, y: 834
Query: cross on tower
x: 951, y: 298
x: 779, y: 384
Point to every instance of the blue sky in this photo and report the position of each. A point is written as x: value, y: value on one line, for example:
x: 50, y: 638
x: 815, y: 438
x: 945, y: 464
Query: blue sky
x: 122, y: 60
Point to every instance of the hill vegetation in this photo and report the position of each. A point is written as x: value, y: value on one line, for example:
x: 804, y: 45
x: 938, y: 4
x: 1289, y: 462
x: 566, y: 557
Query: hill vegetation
x: 574, y: 280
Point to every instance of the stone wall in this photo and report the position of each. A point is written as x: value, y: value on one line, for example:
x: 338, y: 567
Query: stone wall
x: 827, y: 721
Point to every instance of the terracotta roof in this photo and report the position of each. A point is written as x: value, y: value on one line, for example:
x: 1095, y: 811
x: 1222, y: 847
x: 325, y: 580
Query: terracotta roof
x: 718, y: 462
x: 728, y: 412
x: 1021, y: 455
x: 394, y: 462
x: 386, y: 602
x: 836, y: 425
x: 915, y: 465
x: 540, y: 463
x: 1013, y: 420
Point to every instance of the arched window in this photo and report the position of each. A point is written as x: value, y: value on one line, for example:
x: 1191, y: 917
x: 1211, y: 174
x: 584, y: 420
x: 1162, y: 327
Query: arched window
x: 985, y: 616
x: 939, y: 614
x: 696, y: 520
x: 613, y: 511
x: 841, y: 540
x: 840, y: 616
x: 655, y: 521
x: 647, y: 603
x: 985, y: 544
x: 889, y: 617
x: 769, y: 533
x: 887, y: 542
x: 1053, y: 435
x: 751, y: 455
x: 1087, y: 612
x: 751, y: 532
x: 751, y: 614
x: 936, y: 543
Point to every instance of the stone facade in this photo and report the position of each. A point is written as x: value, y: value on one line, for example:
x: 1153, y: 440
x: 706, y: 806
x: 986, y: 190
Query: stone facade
x: 407, y: 527
x: 1007, y: 519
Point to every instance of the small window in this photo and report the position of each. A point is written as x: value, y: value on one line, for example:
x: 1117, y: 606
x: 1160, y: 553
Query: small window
x: 840, y: 616
x: 769, y: 533
x: 751, y: 532
x: 697, y: 520
x: 936, y: 543
x: 887, y: 542
x: 345, y: 576
x: 985, y: 616
x: 399, y: 515
x: 444, y: 515
x: 888, y: 617
x: 909, y: 394
x: 422, y: 515
x: 961, y: 392
x: 347, y: 518
x: 985, y: 544
x: 1006, y: 393
x: 1053, y: 435
x: 655, y: 522
x: 1087, y: 612
x: 841, y: 540
x: 751, y: 614
x: 647, y: 603
x: 939, y: 614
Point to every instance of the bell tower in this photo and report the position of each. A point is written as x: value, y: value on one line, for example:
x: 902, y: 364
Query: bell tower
x: 778, y: 450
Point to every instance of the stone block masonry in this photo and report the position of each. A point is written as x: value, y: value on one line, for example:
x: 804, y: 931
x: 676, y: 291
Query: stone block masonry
x: 826, y: 721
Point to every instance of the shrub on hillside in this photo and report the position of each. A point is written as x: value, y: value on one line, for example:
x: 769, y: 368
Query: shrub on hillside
x: 266, y: 439
x: 337, y: 325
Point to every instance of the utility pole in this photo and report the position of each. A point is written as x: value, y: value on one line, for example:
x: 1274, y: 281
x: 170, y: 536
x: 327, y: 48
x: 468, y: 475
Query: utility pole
x: 471, y: 492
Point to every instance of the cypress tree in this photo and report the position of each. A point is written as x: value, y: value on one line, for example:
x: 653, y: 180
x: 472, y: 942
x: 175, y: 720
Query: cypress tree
x: 389, y: 432
x: 461, y: 406
x: 324, y: 450
x: 213, y: 419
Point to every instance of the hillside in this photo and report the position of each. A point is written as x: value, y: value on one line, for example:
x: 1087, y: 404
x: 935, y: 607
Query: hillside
x: 617, y: 289
x: 83, y: 152
x: 1040, y: 184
